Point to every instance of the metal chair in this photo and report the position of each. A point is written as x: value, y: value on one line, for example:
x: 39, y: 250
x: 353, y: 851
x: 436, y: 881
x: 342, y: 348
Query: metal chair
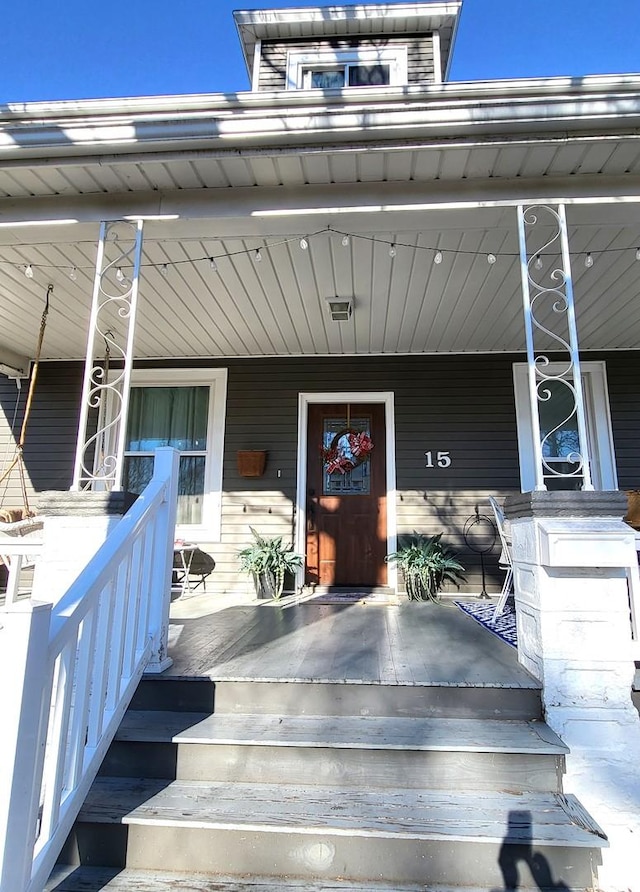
x: 505, y: 562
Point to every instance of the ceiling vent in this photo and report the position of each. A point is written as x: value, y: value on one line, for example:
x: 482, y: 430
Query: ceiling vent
x: 340, y: 308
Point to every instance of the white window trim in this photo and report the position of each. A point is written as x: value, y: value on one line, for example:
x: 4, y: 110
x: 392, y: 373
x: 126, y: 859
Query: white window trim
x: 394, y: 57
x: 304, y: 401
x: 216, y: 379
x: 598, y: 413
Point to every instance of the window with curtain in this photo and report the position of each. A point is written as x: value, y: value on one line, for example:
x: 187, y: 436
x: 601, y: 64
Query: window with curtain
x: 169, y: 416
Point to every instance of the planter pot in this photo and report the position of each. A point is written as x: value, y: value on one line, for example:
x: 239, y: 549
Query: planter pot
x: 251, y: 463
x: 632, y: 517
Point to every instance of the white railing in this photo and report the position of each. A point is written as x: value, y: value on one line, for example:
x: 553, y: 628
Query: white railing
x: 18, y: 553
x: 69, y: 671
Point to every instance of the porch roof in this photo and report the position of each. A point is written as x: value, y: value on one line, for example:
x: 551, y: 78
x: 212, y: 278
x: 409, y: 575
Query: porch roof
x: 218, y: 183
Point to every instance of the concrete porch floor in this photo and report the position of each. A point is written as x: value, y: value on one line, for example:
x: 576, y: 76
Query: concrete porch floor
x: 406, y: 644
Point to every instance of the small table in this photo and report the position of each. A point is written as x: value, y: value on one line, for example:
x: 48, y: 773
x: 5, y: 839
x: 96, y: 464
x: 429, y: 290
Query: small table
x: 182, y: 556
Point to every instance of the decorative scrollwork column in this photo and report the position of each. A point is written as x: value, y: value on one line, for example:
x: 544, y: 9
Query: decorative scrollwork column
x: 549, y: 316
x: 99, y: 455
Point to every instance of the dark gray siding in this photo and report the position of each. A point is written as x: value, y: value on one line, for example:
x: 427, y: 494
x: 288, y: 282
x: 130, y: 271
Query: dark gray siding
x: 273, y: 59
x: 49, y: 450
x: 460, y: 404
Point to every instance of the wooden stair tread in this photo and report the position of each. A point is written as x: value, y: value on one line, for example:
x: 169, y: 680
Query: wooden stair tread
x: 555, y: 819
x: 363, y: 732
x: 96, y: 879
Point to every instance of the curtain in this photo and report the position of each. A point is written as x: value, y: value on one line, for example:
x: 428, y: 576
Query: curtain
x: 169, y: 416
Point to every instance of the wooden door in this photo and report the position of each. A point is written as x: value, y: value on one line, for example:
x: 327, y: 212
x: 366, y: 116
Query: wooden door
x: 346, y: 506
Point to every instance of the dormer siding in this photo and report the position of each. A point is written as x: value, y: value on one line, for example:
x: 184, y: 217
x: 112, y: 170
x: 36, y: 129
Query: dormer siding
x: 272, y: 68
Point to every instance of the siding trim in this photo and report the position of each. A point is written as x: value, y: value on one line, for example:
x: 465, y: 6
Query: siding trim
x: 304, y: 400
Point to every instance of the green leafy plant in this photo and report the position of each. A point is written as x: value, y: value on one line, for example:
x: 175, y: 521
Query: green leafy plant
x: 426, y: 565
x: 268, y: 560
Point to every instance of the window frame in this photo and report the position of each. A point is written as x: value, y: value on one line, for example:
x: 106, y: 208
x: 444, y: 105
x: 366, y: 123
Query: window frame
x: 299, y: 61
x: 598, y: 420
x: 210, y: 529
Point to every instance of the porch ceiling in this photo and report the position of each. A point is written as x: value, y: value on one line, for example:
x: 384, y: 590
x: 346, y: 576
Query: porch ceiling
x: 454, y: 195
x: 403, y: 304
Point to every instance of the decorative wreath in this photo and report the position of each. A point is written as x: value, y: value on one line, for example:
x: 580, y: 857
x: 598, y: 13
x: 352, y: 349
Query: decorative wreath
x: 348, y: 449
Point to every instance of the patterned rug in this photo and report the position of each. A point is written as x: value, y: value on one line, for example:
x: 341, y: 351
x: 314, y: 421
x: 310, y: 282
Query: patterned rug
x: 482, y: 611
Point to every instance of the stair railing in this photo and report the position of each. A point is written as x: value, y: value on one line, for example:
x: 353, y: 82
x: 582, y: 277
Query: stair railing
x: 69, y: 671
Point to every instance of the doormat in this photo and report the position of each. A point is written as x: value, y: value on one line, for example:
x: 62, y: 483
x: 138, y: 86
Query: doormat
x: 482, y: 611
x: 350, y: 598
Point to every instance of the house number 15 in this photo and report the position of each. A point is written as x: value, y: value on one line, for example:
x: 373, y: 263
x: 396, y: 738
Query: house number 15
x: 443, y: 459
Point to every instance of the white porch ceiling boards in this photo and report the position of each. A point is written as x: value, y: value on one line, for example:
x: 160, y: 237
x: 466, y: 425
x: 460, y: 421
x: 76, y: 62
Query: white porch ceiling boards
x: 440, y: 166
x: 405, y: 304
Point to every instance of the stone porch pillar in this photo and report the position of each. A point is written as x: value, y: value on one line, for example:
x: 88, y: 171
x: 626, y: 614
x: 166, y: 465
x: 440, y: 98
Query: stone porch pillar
x: 76, y: 524
x: 570, y: 554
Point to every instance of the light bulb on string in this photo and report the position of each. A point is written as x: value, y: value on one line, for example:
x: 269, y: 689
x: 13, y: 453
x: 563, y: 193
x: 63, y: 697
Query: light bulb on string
x: 213, y: 264
x: 304, y: 244
x: 392, y: 251
x: 491, y: 259
x: 28, y: 271
x: 164, y: 270
x: 538, y: 264
x: 345, y: 241
x: 257, y: 255
x: 437, y: 258
x: 637, y: 253
x: 588, y: 261
x: 73, y: 275
x: 120, y: 275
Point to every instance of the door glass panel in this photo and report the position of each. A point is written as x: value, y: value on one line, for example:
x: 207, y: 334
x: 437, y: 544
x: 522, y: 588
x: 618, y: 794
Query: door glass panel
x: 343, y: 472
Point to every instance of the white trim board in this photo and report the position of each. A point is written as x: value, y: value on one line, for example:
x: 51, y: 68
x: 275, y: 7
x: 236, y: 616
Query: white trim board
x: 304, y: 401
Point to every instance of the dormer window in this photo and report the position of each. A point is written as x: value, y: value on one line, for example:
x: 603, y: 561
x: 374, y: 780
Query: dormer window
x: 334, y: 70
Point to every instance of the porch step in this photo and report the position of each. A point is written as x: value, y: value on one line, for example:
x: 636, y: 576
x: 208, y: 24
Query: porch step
x: 368, y: 751
x: 97, y: 879
x: 405, y: 836
x: 313, y: 697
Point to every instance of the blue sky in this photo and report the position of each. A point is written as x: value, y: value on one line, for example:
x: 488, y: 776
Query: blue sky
x: 74, y: 49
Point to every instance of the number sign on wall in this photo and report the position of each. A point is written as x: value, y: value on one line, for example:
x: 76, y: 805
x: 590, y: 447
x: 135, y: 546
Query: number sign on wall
x: 442, y: 459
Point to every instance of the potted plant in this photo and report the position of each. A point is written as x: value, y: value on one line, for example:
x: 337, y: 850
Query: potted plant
x: 268, y: 560
x: 426, y: 566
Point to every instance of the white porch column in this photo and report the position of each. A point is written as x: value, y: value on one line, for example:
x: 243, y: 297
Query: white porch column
x: 99, y: 455
x: 550, y: 321
x: 570, y: 554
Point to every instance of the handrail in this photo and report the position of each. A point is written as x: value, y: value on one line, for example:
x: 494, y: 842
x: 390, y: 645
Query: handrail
x: 80, y: 662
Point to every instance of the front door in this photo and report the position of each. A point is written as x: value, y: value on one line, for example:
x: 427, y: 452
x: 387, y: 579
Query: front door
x: 346, y: 540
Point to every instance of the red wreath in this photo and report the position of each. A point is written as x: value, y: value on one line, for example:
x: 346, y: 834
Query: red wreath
x: 335, y: 458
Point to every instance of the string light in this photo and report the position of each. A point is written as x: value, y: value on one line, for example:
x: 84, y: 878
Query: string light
x: 304, y: 243
x: 73, y: 275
